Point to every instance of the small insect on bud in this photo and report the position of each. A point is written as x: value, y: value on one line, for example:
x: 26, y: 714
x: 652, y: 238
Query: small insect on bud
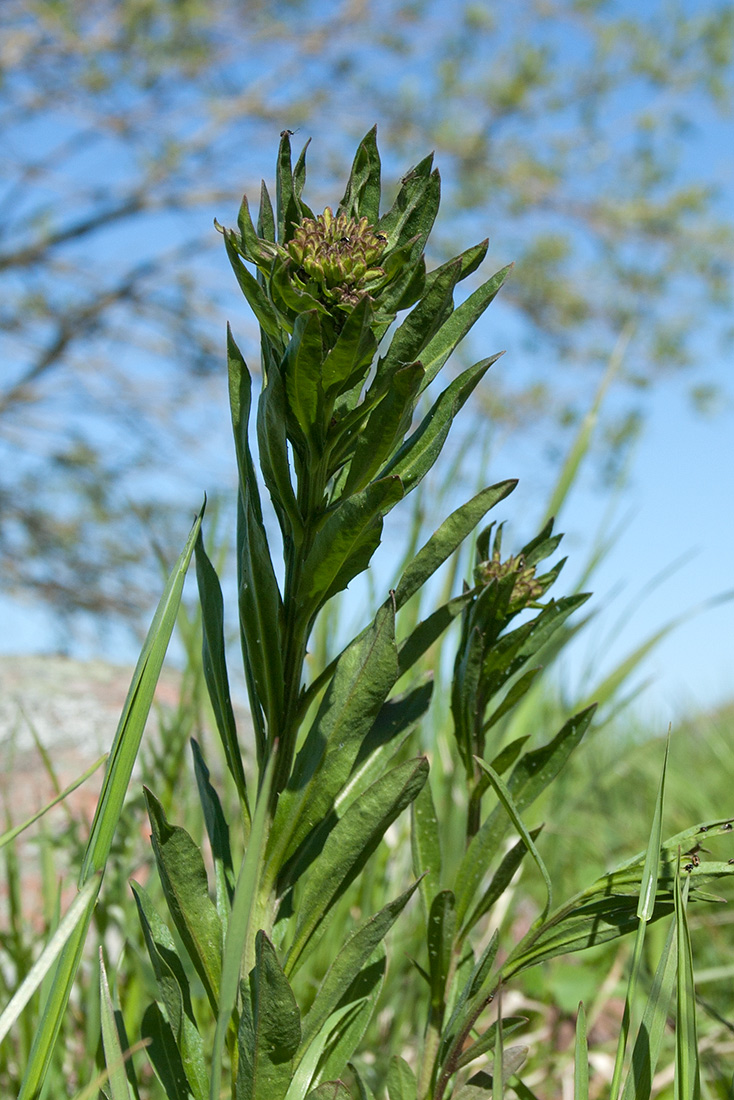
x: 728, y: 827
x: 381, y: 237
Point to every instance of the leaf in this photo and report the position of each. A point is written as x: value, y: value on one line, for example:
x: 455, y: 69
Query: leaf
x: 364, y: 676
x: 349, y: 846
x: 425, y: 843
x: 385, y: 427
x: 487, y: 1041
x: 348, y: 361
x: 440, y: 930
x: 240, y: 943
x: 453, y: 331
x: 363, y: 994
x: 350, y: 959
x: 270, y: 1029
x: 430, y: 630
x: 401, y: 1082
x: 687, y: 1067
x: 174, y: 994
x: 345, y: 544
x: 114, y: 1059
x: 254, y: 248
x: 581, y: 1057
x: 530, y: 776
x: 414, y: 210
x: 267, y: 315
x: 362, y: 196
x: 302, y: 370
x: 472, y: 999
x: 274, y: 462
x: 500, y: 881
x: 330, y: 1090
x: 654, y: 1023
x: 163, y: 1054
x: 215, y: 668
x: 447, y: 538
x: 184, y: 881
x: 365, y: 1092
x: 109, y: 806
x: 421, y: 449
x: 218, y: 833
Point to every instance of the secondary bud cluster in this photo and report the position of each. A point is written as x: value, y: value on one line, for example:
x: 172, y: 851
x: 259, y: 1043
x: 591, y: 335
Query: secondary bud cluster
x: 338, y: 254
x: 526, y: 589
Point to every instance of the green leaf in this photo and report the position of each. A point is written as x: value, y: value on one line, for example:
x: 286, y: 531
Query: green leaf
x: 113, y: 1055
x: 274, y: 462
x: 362, y: 196
x: 302, y: 369
x: 425, y: 843
x: 265, y: 217
x: 472, y: 999
x: 500, y: 881
x: 114, y: 787
x: 581, y: 1057
x: 345, y: 544
x: 365, y: 674
x: 10, y: 834
x: 267, y: 315
x: 163, y: 1053
x: 348, y: 361
x: 441, y: 927
x: 385, y: 427
x: 174, y: 994
x: 512, y: 810
x: 218, y: 833
x: 365, y: 1092
x: 215, y: 668
x: 285, y: 199
x: 330, y: 1090
x: 270, y: 1029
x: 447, y: 538
x: 649, y: 886
x: 487, y: 1041
x: 453, y: 331
x: 363, y: 994
x: 350, y: 959
x: 254, y: 248
x: 687, y: 1068
x: 430, y: 630
x: 530, y: 776
x: 184, y: 881
x: 260, y: 603
x: 654, y: 1023
x: 244, y: 923
x: 349, y: 846
x: 401, y: 1082
x: 415, y: 207
x: 421, y: 449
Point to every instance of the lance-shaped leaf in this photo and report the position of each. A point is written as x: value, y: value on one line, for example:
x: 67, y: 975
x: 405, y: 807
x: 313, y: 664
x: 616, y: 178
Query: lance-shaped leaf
x: 364, y: 676
x: 218, y: 833
x: 362, y: 994
x: 362, y: 196
x: 302, y: 369
x: 530, y: 776
x: 452, y: 532
x: 421, y: 449
x: 500, y: 881
x: 267, y: 315
x: 349, y: 846
x: 174, y: 995
x: 273, y: 450
x: 440, y: 931
x: 430, y: 630
x: 486, y: 1041
x: 425, y: 843
x: 286, y: 201
x: 330, y: 1090
x: 215, y: 668
x: 425, y: 320
x: 299, y: 181
x: 265, y: 216
x: 365, y: 1092
x: 473, y: 996
x: 687, y: 1067
x: 270, y: 1029
x: 348, y: 361
x: 453, y: 331
x: 254, y: 248
x: 163, y: 1053
x: 183, y: 877
x: 385, y: 428
x: 415, y: 207
x: 345, y: 544
x: 348, y: 963
x: 401, y: 1082
x: 112, y: 1043
x: 654, y: 1023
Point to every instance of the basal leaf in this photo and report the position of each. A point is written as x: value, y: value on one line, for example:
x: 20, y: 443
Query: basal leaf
x: 362, y: 196
x: 401, y: 1082
x: 270, y: 1029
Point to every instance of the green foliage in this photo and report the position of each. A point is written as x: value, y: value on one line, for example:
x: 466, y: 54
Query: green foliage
x: 243, y: 1000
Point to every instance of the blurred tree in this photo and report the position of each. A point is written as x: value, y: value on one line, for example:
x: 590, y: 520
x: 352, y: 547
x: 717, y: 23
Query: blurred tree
x: 586, y: 136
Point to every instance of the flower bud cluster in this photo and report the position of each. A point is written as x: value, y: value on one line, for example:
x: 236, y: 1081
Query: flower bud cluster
x: 338, y: 254
x: 526, y: 589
